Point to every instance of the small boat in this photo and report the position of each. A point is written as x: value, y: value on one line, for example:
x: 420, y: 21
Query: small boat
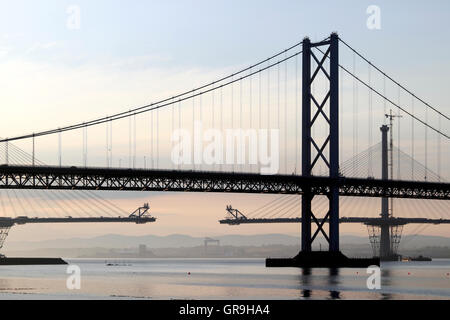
x: 110, y: 264
x: 420, y: 258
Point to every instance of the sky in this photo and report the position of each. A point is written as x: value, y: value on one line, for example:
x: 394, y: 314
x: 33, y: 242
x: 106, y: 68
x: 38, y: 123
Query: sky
x: 123, y: 54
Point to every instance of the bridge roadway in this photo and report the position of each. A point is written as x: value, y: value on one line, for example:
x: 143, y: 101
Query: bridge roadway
x: 367, y: 221
x: 6, y: 222
x: 90, y: 178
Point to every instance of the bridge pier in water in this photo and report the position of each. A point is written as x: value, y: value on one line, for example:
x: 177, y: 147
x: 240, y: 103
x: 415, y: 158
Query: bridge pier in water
x: 333, y: 257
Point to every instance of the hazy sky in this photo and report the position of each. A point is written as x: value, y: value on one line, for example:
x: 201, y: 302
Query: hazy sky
x: 130, y: 53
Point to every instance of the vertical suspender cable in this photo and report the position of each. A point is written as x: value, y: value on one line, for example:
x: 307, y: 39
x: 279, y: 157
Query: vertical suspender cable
x: 285, y: 115
x: 192, y: 134
x: 370, y: 171
x: 134, y: 141
x: 151, y: 151
x: 354, y: 116
x: 341, y: 110
x: 213, y: 116
x: 240, y: 119
x: 6, y: 152
x: 278, y: 97
x: 439, y: 150
x: 412, y: 138
x: 296, y: 114
x: 384, y: 100
x: 240, y: 105
x: 107, y: 144
x: 426, y: 144
x: 193, y: 131
x: 250, y: 108
x: 59, y: 149
x: 152, y: 157
x: 173, y: 118
x: 82, y: 151
x: 86, y: 146
x: 129, y: 142
x: 221, y: 126
x: 259, y: 101
x: 201, y: 121
x: 268, y: 96
x: 260, y: 107
x: 232, y: 116
x: 157, y: 138
x: 250, y: 102
x: 179, y: 122
x: 33, y: 155
x: 110, y: 143
x: 398, y: 139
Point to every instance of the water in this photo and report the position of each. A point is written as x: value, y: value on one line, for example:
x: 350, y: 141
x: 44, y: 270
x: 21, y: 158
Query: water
x: 221, y: 279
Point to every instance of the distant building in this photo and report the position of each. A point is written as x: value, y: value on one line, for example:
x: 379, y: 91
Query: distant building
x: 208, y: 241
x: 142, y: 250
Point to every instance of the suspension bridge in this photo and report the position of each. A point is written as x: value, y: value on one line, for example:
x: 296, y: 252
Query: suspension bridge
x: 321, y: 110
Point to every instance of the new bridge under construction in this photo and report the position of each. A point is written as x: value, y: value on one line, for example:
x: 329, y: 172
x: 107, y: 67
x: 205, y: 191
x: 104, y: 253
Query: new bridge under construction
x: 384, y: 231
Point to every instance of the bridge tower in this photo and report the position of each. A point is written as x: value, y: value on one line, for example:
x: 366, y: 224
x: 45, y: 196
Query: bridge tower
x: 331, y: 49
x: 385, y: 237
x: 385, y: 233
x: 312, y: 109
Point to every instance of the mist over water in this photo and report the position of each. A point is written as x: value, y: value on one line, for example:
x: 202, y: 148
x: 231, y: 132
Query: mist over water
x: 221, y: 279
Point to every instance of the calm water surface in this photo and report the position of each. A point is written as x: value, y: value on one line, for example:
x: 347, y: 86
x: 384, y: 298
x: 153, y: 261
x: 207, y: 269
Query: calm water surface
x: 221, y: 279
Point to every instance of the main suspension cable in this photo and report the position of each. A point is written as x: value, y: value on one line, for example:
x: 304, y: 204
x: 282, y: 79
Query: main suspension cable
x: 390, y: 78
x: 169, y: 101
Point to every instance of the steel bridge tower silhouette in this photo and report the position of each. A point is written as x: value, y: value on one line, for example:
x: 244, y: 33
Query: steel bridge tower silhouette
x: 332, y: 141
x: 306, y: 257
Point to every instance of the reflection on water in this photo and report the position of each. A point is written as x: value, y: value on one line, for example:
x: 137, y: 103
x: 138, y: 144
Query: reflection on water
x: 386, y: 282
x: 304, y: 281
x: 222, y: 279
x: 332, y: 280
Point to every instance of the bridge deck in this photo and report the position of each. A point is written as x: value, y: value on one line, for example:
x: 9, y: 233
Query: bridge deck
x: 74, y: 178
x: 364, y: 220
x: 9, y: 222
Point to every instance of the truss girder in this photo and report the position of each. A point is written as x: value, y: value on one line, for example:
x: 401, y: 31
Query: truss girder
x: 70, y: 178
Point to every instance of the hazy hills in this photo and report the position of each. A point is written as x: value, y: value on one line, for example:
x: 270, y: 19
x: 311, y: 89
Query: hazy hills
x: 179, y: 240
x: 152, y: 241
